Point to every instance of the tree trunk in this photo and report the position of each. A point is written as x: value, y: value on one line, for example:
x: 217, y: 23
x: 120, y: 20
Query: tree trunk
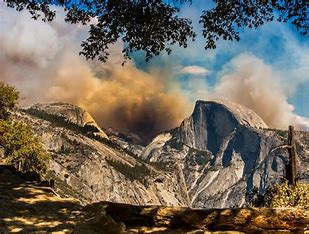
x: 291, y: 167
x: 19, y: 165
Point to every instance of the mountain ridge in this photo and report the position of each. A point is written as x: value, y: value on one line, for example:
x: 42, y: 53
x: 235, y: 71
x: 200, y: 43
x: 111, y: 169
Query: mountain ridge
x: 214, y: 159
x: 225, y: 156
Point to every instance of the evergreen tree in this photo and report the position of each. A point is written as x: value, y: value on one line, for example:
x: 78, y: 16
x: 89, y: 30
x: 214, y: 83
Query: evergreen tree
x: 22, y: 148
x: 8, y: 99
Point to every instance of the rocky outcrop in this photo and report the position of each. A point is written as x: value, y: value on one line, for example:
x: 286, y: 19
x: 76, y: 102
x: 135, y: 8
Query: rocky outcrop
x: 131, y: 142
x: 68, y: 112
x: 224, y: 152
x: 96, y: 168
x: 160, y: 219
x: 213, y: 121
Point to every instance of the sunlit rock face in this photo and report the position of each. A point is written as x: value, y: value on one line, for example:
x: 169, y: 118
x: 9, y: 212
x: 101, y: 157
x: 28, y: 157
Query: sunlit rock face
x: 97, y: 169
x: 70, y: 113
x: 223, y: 151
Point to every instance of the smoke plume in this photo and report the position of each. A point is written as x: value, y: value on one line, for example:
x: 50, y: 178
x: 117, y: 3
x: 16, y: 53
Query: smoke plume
x: 41, y: 60
x: 249, y: 81
x: 122, y: 97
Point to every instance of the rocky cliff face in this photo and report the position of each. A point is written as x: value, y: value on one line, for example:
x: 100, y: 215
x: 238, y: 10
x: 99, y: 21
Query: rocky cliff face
x: 69, y: 113
x: 131, y: 142
x: 224, y: 151
x: 93, y: 168
x: 213, y: 122
x: 217, y: 156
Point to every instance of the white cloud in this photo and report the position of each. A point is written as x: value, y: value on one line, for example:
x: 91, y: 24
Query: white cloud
x: 303, y: 121
x: 194, y: 70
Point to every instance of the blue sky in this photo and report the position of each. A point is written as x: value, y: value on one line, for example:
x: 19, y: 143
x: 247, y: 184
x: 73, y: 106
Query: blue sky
x: 279, y: 45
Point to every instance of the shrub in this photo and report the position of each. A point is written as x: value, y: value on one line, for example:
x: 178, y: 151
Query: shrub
x: 22, y: 148
x: 8, y: 99
x: 285, y: 195
x: 139, y: 172
x: 281, y: 195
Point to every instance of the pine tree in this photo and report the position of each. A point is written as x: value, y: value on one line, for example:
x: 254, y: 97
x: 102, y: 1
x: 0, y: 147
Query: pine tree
x: 22, y: 148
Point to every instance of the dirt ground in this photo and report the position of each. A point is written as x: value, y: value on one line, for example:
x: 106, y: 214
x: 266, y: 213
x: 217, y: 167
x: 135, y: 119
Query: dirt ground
x: 28, y: 208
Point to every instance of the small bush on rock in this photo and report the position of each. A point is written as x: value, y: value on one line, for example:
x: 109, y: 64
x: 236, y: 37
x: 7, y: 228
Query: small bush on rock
x: 285, y: 195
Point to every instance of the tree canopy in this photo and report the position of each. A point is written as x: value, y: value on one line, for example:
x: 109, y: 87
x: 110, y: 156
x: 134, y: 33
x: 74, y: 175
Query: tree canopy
x: 154, y: 26
x: 8, y: 99
x: 22, y: 148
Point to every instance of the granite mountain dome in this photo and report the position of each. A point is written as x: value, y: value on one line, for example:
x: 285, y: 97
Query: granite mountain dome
x: 212, y: 121
x: 225, y: 151
x: 90, y: 167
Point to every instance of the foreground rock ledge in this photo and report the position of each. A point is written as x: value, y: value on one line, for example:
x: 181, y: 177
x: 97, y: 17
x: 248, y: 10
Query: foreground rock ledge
x: 179, y: 219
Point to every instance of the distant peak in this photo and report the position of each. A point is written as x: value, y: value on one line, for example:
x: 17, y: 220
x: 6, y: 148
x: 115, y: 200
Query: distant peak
x: 243, y: 114
x: 70, y: 112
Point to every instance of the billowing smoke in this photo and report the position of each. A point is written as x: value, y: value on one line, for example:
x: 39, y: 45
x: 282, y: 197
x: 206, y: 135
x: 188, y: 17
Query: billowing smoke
x: 42, y: 61
x: 125, y: 98
x: 249, y: 81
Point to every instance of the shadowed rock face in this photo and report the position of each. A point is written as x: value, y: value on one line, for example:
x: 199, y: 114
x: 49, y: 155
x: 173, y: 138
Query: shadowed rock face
x: 223, y: 151
x: 211, y: 122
